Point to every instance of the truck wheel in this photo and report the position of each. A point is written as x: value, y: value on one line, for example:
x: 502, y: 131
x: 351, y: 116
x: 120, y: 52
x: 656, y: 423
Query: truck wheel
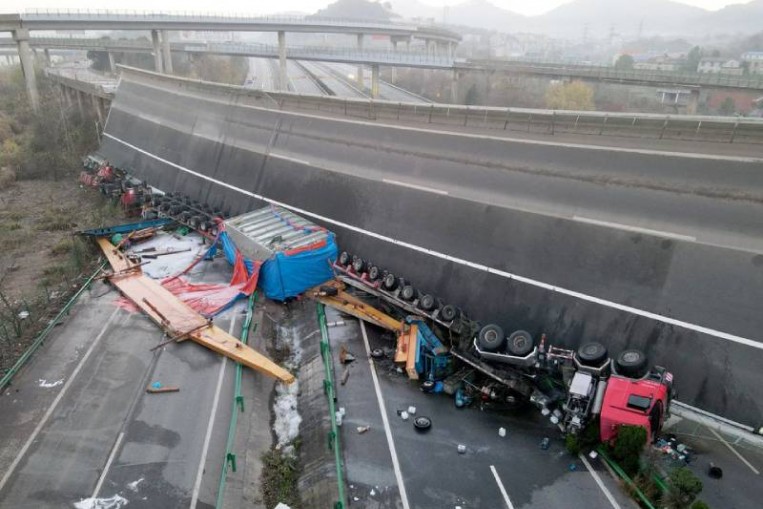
x: 520, y: 343
x: 344, y: 259
x: 374, y: 273
x: 422, y: 423
x: 358, y: 265
x: 390, y: 282
x: 631, y: 363
x: 449, y: 312
x: 408, y: 293
x: 491, y: 338
x: 592, y: 354
x: 427, y: 302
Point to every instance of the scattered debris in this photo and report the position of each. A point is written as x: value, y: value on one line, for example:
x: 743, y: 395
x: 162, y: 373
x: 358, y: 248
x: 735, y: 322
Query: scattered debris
x: 501, y: 432
x: 345, y: 357
x: 46, y: 384
x: 422, y: 423
x: 403, y: 415
x: 593, y: 455
x: 345, y: 375
x: 281, y: 505
x: 23, y: 315
x: 338, y: 415
x: 545, y: 443
x: 115, y: 502
x: 159, y: 388
x: 133, y: 486
x: 461, y: 449
x: 363, y: 429
x: 412, y: 410
x: 373, y: 492
x: 714, y: 471
x: 377, y: 353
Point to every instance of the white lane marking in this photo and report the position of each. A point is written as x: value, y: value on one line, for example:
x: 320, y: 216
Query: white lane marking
x: 599, y: 482
x: 665, y: 153
x: 288, y: 158
x: 502, y: 488
x: 477, y: 266
x: 56, y: 401
x: 636, y: 229
x: 385, y: 420
x: 736, y: 453
x: 414, y: 186
x: 210, y: 425
x: 106, y: 468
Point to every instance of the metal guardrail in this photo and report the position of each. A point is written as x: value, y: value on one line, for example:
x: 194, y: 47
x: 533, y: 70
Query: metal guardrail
x: 328, y: 388
x: 42, y: 336
x: 229, y: 460
x: 609, y: 73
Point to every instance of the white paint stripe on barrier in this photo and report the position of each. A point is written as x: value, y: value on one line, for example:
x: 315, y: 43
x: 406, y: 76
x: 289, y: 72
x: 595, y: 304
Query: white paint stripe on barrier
x: 477, y: 266
x: 635, y: 229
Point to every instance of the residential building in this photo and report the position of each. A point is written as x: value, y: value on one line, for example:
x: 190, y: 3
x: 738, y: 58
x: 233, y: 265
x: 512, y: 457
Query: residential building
x: 753, y: 60
x: 720, y: 65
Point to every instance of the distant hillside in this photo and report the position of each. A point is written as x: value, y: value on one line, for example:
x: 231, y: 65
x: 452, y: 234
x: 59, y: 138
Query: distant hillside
x: 356, y: 9
x: 597, y: 17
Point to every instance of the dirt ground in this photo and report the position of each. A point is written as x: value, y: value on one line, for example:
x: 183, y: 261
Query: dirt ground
x: 41, y: 261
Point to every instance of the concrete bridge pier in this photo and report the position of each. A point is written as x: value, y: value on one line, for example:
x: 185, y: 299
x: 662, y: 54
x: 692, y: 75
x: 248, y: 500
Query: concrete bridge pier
x: 80, y: 106
x: 454, y: 87
x: 46, y: 53
x: 375, y: 81
x: 98, y: 107
x: 359, y: 74
x: 21, y: 36
x: 282, y: 78
x: 158, y: 65
x: 112, y: 63
x: 166, y: 54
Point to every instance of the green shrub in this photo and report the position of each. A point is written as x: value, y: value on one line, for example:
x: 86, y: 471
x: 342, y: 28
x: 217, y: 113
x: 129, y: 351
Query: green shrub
x: 628, y: 447
x: 699, y: 504
x: 683, y: 488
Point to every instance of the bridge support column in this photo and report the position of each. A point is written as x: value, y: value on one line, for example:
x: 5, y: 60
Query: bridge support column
x: 112, y: 63
x: 166, y: 54
x: 691, y: 105
x: 282, y: 78
x: 21, y: 36
x: 429, y: 44
x: 158, y: 67
x: 375, y: 81
x: 97, y: 108
x: 80, y: 107
x: 359, y: 74
x: 454, y: 87
x: 47, y: 57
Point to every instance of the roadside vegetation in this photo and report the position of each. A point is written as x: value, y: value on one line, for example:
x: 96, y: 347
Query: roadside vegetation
x: 41, y: 202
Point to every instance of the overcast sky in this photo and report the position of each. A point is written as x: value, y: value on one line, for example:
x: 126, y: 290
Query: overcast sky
x: 269, y: 7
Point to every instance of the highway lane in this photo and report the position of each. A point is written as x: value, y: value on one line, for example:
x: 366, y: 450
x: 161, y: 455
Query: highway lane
x: 577, y: 280
x: 261, y: 74
x: 340, y: 87
x: 106, y: 437
x: 300, y: 81
x: 387, y: 91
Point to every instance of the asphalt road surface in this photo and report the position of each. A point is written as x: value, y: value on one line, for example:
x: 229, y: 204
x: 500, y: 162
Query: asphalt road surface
x: 77, y: 423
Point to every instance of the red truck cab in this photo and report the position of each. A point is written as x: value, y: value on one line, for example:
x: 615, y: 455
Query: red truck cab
x: 640, y: 402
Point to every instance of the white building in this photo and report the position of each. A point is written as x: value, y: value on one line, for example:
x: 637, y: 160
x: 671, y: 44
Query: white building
x: 720, y: 65
x: 754, y: 61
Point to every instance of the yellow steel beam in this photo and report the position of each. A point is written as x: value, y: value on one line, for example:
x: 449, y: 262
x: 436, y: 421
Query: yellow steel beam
x: 354, y: 306
x: 180, y: 320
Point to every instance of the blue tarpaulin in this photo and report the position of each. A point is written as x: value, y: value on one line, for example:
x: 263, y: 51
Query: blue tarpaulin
x: 287, y: 275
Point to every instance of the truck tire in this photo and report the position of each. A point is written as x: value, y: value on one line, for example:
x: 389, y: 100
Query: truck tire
x: 422, y: 423
x: 520, y: 343
x: 390, y: 282
x: 427, y: 302
x: 491, y: 338
x: 631, y: 363
x: 592, y: 353
x: 449, y: 312
x: 344, y: 259
x: 374, y: 273
x: 408, y: 293
x: 358, y: 265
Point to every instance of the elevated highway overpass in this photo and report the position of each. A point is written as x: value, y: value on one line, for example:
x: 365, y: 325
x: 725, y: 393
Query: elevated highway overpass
x: 655, y: 248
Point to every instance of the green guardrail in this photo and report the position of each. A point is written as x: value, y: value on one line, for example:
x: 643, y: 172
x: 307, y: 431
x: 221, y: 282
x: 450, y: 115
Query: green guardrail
x: 229, y: 460
x: 329, y: 389
x: 625, y: 477
x: 42, y: 336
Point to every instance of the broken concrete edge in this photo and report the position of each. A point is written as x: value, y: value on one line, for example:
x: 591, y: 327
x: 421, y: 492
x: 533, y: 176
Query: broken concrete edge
x: 42, y: 336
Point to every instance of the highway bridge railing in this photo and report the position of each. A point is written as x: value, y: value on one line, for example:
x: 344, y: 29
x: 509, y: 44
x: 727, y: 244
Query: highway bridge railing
x: 550, y: 122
